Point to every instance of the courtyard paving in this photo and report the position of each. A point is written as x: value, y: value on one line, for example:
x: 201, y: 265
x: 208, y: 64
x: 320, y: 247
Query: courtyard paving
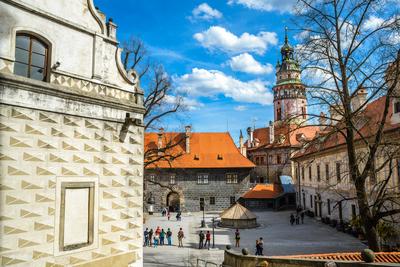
x: 280, y: 238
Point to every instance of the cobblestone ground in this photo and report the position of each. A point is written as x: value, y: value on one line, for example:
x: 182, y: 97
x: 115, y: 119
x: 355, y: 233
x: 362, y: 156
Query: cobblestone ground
x: 279, y: 236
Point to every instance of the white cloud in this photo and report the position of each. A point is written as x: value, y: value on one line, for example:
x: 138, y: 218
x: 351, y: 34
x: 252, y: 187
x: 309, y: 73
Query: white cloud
x: 240, y: 108
x: 266, y: 5
x: 205, y: 12
x: 211, y: 83
x: 373, y: 22
x: 218, y: 38
x: 246, y: 63
x: 188, y: 103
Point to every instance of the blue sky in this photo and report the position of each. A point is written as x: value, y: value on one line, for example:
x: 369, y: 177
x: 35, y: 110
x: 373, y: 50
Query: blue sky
x: 220, y: 54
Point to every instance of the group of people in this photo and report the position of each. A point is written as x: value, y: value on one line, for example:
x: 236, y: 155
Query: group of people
x: 204, y: 239
x: 166, y: 212
x: 296, y: 219
x: 157, y: 238
x: 259, y: 247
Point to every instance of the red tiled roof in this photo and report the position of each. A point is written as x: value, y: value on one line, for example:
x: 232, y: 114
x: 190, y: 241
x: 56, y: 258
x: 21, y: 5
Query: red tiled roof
x: 289, y: 131
x: 380, y: 257
x: 263, y: 191
x: 207, y: 150
x: 372, y: 115
x: 262, y: 134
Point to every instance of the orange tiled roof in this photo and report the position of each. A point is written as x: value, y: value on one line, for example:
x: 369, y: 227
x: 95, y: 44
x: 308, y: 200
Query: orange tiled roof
x: 264, y: 191
x: 207, y: 150
x: 372, y: 114
x: 380, y: 257
x: 289, y: 131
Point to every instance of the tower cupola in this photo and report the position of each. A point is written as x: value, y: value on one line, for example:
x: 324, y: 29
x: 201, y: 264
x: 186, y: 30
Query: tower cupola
x: 287, y: 50
x: 289, y: 92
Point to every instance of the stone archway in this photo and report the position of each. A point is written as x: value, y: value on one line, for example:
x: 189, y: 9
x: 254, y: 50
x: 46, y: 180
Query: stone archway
x: 173, y: 202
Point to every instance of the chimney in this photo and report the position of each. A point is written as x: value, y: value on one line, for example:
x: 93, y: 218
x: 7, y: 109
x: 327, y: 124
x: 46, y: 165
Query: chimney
x: 322, y: 120
x: 359, y: 99
x: 271, y: 132
x: 250, y: 133
x: 111, y: 29
x: 187, y: 138
x: 335, y: 112
x: 159, y: 141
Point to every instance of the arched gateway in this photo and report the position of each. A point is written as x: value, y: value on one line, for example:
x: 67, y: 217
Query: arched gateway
x: 173, y: 202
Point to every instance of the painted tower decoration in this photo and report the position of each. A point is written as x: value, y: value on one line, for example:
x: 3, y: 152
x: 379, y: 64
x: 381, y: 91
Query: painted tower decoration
x: 289, y: 93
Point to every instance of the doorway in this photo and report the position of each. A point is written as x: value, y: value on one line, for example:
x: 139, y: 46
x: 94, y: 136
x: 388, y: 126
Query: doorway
x: 173, y: 202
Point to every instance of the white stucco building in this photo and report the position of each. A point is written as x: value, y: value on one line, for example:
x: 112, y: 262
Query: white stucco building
x: 71, y: 152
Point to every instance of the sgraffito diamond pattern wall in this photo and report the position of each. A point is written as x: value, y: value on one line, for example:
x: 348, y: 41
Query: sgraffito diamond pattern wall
x: 36, y: 148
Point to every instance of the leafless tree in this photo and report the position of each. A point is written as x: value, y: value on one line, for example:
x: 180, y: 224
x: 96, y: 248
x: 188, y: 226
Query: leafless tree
x: 349, y: 46
x: 160, y: 101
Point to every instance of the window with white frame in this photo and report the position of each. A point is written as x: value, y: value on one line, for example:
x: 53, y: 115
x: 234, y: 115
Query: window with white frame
x: 231, y: 178
x: 172, y: 179
x: 202, y: 178
x: 152, y: 177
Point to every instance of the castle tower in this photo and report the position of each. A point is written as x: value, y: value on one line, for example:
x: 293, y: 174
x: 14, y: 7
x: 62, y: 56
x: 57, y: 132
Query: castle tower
x: 290, y: 103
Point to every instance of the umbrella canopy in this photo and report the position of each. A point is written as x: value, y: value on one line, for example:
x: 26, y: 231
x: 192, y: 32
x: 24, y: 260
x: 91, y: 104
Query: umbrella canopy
x: 238, y: 212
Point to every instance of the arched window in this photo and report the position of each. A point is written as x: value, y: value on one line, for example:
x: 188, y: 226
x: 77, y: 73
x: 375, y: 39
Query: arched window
x: 31, y: 57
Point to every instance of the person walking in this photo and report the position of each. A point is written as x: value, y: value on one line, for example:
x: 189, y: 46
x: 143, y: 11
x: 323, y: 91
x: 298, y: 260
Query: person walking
x: 162, y: 236
x: 237, y: 238
x: 181, y: 235
x: 168, y: 215
x: 297, y: 219
x: 146, y: 237
x: 302, y: 217
x: 208, y: 239
x: 261, y: 246
x: 151, y: 237
x: 169, y: 237
x: 257, y: 247
x: 201, y: 239
x: 292, y: 219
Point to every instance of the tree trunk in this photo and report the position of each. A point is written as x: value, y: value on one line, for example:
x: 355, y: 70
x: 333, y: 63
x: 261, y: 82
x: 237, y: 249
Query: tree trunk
x: 366, y: 218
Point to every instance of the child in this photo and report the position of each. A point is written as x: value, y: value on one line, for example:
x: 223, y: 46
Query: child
x: 156, y: 238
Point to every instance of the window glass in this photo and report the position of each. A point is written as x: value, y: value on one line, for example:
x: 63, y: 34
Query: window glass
x: 172, y: 179
x: 21, y: 55
x: 212, y: 200
x: 21, y: 69
x: 36, y: 73
x: 38, y: 60
x: 38, y: 48
x: 23, y: 42
x: 338, y: 174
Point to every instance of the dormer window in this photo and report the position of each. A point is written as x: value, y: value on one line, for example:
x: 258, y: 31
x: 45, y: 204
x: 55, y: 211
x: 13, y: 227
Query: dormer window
x: 31, y: 57
x: 219, y: 157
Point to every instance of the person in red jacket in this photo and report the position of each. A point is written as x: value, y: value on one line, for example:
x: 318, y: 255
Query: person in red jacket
x: 208, y: 239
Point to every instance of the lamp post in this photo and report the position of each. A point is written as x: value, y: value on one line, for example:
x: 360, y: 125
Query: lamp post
x: 213, y: 220
x: 203, y: 222
x: 151, y: 201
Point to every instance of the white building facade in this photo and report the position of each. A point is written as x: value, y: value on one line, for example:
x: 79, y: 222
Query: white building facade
x: 71, y: 139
